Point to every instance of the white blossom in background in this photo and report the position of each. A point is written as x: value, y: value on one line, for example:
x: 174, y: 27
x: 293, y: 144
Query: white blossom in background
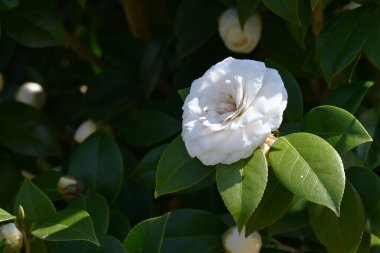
x: 1, y: 81
x: 231, y: 109
x: 84, y: 130
x: 351, y: 6
x: 13, y: 236
x: 32, y: 94
x: 233, y: 242
x: 236, y: 39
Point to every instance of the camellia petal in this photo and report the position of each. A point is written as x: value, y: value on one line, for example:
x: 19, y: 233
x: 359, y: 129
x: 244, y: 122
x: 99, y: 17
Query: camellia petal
x: 231, y: 109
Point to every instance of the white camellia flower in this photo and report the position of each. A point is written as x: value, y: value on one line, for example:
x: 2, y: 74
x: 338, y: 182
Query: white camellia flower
x: 236, y: 39
x: 1, y: 81
x: 84, y: 130
x: 231, y: 109
x: 13, y: 236
x: 32, y: 94
x: 233, y: 242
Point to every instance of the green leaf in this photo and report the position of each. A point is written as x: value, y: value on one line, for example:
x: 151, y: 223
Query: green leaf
x: 108, y: 244
x: 242, y: 185
x: 184, y: 92
x: 287, y: 9
x: 145, y: 171
x: 37, y: 206
x: 367, y: 184
x: 340, y: 234
x: 370, y: 152
x: 147, y: 236
x: 310, y: 168
x: 119, y: 225
x: 5, y: 216
x: 176, y: 170
x: 44, y: 28
x: 98, y: 163
x: 25, y: 130
x: 373, y: 38
x: 96, y: 205
x: 67, y: 225
x: 47, y: 182
x: 196, y: 22
x: 299, y: 31
x: 8, y: 4
x: 344, y: 132
x: 349, y: 96
x: 152, y: 62
x: 10, y: 178
x: 365, y: 243
x: 342, y: 41
x: 245, y: 9
x: 191, y: 230
x: 147, y: 128
x: 294, y: 109
x: 273, y: 205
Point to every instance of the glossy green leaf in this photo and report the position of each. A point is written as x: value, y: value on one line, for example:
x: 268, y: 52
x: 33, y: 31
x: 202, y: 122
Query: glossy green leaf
x: 343, y: 131
x: 96, y: 205
x: 299, y: 31
x: 365, y: 243
x: 147, y: 128
x: 47, y: 182
x: 342, y: 41
x: 370, y: 152
x: 25, y: 130
x: 287, y: 9
x: 245, y: 9
x: 97, y: 162
x: 5, y: 216
x: 367, y: 184
x: 340, y: 234
x: 152, y: 62
x: 35, y: 203
x: 373, y: 39
x: 145, y: 171
x: 273, y: 205
x: 67, y: 225
x: 349, y: 96
x: 44, y: 28
x: 184, y: 92
x: 196, y: 22
x: 10, y: 178
x: 191, y: 230
x: 8, y: 4
x: 177, y: 170
x: 242, y: 185
x: 147, y: 236
x: 310, y: 168
x: 294, y: 108
x: 108, y: 244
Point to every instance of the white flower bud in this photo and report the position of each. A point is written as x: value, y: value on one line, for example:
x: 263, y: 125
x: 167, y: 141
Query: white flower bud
x: 233, y: 242
x: 231, y: 109
x: 13, y: 236
x: 84, y: 130
x: 32, y: 94
x: 69, y: 187
x: 351, y: 6
x: 1, y: 81
x: 236, y: 39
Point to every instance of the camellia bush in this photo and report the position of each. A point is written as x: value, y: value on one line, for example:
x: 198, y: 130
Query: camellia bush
x: 192, y: 126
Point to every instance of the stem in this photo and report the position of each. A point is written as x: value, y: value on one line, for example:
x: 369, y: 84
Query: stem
x: 78, y: 47
x: 317, y: 19
x: 279, y: 245
x: 26, y: 242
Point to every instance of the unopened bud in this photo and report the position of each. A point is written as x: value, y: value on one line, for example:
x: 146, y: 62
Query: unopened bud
x: 32, y: 94
x: 268, y: 143
x: 84, y: 130
x: 233, y: 242
x: 13, y: 237
x: 21, y: 213
x: 69, y: 187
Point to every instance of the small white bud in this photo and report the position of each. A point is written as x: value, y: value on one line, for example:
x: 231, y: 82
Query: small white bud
x: 32, y: 94
x: 69, y: 187
x: 84, y: 130
x: 233, y: 242
x: 1, y: 81
x: 13, y: 236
